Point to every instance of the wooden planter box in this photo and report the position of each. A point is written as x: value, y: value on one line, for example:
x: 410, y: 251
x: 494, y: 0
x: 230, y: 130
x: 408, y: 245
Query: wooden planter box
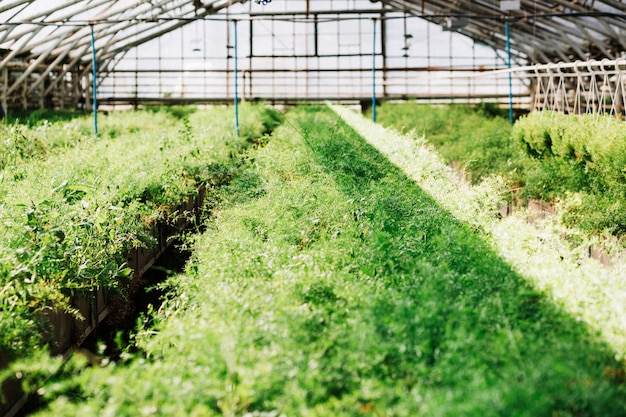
x: 68, y: 331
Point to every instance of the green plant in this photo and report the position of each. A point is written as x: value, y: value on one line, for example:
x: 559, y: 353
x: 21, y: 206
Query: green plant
x: 36, y: 118
x: 574, y: 156
x: 546, y: 155
x: 16, y: 147
x: 344, y: 289
x: 72, y: 211
x: 178, y: 112
x: 474, y: 139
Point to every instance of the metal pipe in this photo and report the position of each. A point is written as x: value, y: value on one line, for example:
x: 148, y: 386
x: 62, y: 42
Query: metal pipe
x: 383, y: 49
x: 94, y: 66
x: 250, y: 66
x: 374, y: 74
x: 508, y: 51
x: 235, y: 54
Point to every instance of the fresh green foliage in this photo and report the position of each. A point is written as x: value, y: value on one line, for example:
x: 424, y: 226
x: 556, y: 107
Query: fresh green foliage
x: 329, y: 283
x: 16, y: 147
x: 179, y: 112
x: 71, y: 214
x: 570, y: 279
x: 20, y: 143
x: 574, y: 162
x: 36, y: 118
x: 579, y: 161
x: 474, y: 139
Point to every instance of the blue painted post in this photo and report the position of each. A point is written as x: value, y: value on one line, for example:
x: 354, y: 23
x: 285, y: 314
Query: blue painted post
x: 508, y: 51
x: 236, y: 82
x: 374, y: 75
x: 94, y: 68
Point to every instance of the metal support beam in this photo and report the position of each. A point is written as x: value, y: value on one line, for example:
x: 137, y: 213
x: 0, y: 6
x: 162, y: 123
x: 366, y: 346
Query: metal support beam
x: 94, y: 66
x: 251, y: 46
x: 508, y: 51
x: 5, y: 87
x: 236, y: 75
x: 50, y: 68
x: 383, y: 49
x: 31, y: 68
x: 374, y: 73
x: 68, y: 68
x: 9, y: 6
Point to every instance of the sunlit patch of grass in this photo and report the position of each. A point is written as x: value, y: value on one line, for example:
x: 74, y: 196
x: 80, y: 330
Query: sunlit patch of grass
x: 589, y: 291
x: 473, y: 138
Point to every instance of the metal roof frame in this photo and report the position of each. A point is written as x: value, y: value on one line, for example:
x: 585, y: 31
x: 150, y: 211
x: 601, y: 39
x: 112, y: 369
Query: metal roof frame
x: 50, y: 36
x: 541, y: 31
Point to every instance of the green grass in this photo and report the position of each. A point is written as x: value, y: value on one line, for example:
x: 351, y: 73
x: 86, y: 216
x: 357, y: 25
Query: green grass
x: 577, y: 161
x: 475, y: 139
x: 329, y: 283
x: 585, y: 289
x: 72, y: 212
x: 574, y: 163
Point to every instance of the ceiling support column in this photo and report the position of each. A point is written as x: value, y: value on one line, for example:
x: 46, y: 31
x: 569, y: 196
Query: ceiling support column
x: 5, y: 88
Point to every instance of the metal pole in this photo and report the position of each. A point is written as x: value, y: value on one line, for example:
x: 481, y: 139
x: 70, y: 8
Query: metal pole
x: 374, y: 75
x: 508, y: 51
x: 95, y: 82
x: 236, y: 81
x: 250, y: 66
x: 383, y: 50
x: 5, y: 82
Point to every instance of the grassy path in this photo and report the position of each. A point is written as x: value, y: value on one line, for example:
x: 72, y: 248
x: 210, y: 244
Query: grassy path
x: 330, y: 284
x: 586, y: 289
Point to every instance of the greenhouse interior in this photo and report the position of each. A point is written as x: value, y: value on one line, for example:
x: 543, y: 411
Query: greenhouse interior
x: 268, y: 208
x: 290, y: 51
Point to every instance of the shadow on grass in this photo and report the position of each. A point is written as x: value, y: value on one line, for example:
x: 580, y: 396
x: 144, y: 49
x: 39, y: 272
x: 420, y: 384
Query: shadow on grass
x: 35, y: 118
x: 456, y: 321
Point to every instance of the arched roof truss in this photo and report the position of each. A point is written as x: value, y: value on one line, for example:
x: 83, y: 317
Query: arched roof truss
x: 541, y: 31
x: 41, y: 37
x: 46, y: 36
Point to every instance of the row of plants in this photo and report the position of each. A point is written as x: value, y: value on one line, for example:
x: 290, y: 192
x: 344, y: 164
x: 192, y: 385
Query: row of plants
x: 318, y: 289
x: 580, y: 286
x: 475, y: 139
x: 579, y: 162
x: 573, y: 162
x: 39, y: 134
x: 71, y: 214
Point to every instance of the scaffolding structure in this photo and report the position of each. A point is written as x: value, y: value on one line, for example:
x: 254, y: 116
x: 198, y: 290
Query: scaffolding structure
x: 591, y: 87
